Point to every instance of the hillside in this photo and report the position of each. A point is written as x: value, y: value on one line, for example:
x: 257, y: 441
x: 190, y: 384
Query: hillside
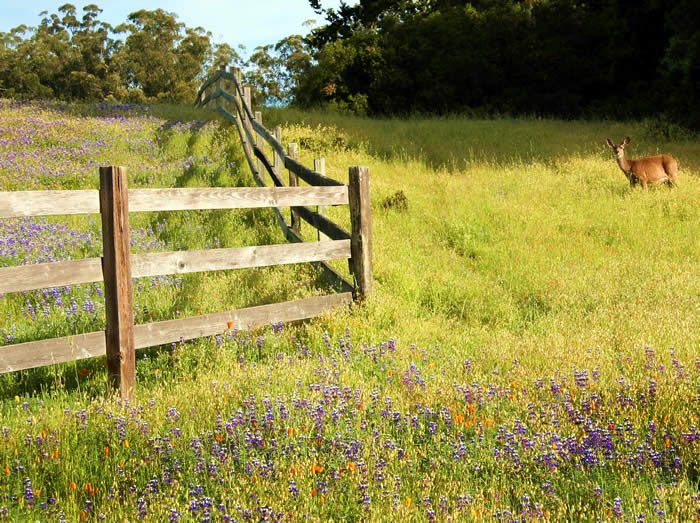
x: 531, y: 350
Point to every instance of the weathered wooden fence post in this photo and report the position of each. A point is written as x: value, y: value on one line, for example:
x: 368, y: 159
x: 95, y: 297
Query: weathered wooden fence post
x: 361, y: 221
x: 295, y: 221
x: 247, y: 102
x: 237, y: 73
x: 219, y: 100
x: 224, y: 85
x: 248, y: 127
x: 116, y: 270
x: 320, y: 168
x: 260, y: 143
x: 277, y: 162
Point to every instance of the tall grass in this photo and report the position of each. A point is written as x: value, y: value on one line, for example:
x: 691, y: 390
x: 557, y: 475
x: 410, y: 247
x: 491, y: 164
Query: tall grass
x: 531, y: 350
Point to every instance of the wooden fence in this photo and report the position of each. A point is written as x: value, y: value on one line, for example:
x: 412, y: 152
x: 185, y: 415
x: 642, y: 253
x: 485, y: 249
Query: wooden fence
x: 223, y: 91
x: 114, y: 201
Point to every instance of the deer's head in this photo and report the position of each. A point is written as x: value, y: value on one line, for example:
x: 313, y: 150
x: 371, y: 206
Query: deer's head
x: 619, y: 149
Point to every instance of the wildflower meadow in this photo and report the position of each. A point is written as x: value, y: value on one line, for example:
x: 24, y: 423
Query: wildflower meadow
x: 531, y: 353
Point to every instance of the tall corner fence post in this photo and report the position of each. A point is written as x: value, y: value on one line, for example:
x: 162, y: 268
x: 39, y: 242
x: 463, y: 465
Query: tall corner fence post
x: 294, y: 220
x: 116, y: 271
x: 320, y: 168
x: 361, y: 240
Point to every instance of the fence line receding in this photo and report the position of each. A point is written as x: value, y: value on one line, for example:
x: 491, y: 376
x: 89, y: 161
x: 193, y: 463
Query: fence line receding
x: 114, y: 201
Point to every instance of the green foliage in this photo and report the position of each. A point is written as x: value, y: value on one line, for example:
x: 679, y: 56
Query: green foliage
x: 274, y: 71
x: 158, y: 60
x: 565, y: 58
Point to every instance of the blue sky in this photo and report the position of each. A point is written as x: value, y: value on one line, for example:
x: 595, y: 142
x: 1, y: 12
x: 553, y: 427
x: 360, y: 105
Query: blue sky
x: 247, y: 22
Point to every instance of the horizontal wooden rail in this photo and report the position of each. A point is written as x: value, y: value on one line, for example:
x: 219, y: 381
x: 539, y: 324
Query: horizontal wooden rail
x: 59, y: 350
x: 169, y: 331
x: 47, y: 275
x: 308, y: 175
x: 268, y: 167
x: 233, y: 198
x: 43, y: 203
x: 48, y: 203
x: 182, y: 262
x: 318, y: 221
x: 57, y: 274
x: 323, y: 224
x: 248, y: 138
x: 333, y: 278
x: 49, y: 352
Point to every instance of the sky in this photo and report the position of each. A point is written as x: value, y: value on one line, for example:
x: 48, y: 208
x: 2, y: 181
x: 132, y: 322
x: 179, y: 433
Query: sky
x: 247, y: 22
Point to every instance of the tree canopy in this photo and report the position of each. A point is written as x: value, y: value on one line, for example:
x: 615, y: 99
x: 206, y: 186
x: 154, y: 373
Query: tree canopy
x: 565, y: 58
x: 569, y: 58
x: 151, y: 57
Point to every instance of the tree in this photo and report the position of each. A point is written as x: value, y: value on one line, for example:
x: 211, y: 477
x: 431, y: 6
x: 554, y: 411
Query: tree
x: 681, y: 63
x: 273, y: 71
x: 159, y: 59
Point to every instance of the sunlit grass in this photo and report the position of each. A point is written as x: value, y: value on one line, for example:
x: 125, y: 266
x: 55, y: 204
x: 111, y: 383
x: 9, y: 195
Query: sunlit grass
x: 531, y: 350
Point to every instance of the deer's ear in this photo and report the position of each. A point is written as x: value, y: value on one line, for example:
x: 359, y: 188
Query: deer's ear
x: 627, y: 140
x: 610, y: 142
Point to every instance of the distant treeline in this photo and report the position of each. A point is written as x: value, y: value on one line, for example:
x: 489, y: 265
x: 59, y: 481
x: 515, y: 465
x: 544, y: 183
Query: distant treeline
x: 151, y: 57
x: 570, y: 58
x: 565, y: 58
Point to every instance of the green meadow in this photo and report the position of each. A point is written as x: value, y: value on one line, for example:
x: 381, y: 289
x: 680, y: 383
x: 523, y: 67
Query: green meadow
x: 531, y: 351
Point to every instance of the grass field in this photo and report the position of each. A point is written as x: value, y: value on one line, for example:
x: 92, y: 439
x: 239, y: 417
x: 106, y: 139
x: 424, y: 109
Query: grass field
x: 532, y: 350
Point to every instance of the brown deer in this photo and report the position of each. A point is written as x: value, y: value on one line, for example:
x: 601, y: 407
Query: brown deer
x: 660, y: 168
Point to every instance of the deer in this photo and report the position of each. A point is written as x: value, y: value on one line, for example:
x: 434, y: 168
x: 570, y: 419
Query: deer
x: 660, y: 168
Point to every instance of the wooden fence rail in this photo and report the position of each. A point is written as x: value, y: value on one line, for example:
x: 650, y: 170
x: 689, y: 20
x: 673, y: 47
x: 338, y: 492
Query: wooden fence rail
x: 114, y: 201
x: 214, y: 94
x: 117, y: 268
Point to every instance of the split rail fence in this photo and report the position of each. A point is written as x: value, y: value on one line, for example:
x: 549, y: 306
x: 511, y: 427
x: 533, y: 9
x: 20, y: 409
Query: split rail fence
x: 114, y: 201
x: 214, y: 94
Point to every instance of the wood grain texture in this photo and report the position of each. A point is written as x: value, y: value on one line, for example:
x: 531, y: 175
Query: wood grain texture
x: 60, y: 350
x: 49, y: 352
x: 233, y: 198
x: 361, y: 219
x: 292, y: 152
x: 73, y: 272
x: 150, y: 334
x: 48, y: 203
x: 181, y: 262
x: 259, y: 141
x: 116, y: 271
x: 45, y: 203
x: 277, y: 163
x: 47, y: 275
